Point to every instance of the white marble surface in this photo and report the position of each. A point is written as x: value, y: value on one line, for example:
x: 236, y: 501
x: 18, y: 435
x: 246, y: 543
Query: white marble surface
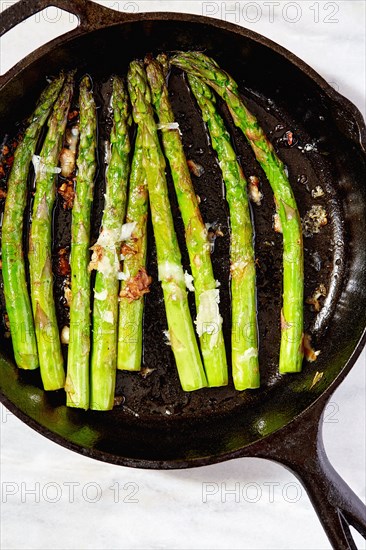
x: 169, y: 511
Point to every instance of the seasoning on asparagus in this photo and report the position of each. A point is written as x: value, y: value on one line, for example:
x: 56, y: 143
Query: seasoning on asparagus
x: 207, y: 295
x: 105, y: 258
x: 77, y: 380
x: 291, y: 352
x: 244, y: 339
x: 18, y: 304
x: 135, y: 281
x: 181, y: 331
x: 40, y: 244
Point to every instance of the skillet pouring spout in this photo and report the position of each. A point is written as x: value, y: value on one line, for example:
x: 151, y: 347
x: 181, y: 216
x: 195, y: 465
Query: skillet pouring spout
x: 217, y: 424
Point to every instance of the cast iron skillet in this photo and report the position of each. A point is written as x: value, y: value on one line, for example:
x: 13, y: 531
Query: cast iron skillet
x: 158, y: 426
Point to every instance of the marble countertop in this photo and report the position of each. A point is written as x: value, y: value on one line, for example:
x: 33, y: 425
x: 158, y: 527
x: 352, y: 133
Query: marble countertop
x: 55, y: 499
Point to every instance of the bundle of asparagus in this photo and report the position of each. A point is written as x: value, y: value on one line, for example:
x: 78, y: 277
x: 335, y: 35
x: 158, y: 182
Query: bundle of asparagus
x: 113, y: 336
x: 209, y: 320
x: 205, y: 68
x: 244, y: 340
x: 181, y: 332
x: 18, y: 304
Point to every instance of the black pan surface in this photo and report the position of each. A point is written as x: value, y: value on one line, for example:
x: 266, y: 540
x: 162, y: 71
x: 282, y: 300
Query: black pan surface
x: 157, y: 425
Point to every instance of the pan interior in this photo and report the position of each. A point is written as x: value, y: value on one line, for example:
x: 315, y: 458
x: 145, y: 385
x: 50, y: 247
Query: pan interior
x: 156, y: 421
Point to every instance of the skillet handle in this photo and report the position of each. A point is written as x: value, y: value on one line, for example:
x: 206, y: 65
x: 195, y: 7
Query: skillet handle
x: 90, y: 15
x: 300, y: 448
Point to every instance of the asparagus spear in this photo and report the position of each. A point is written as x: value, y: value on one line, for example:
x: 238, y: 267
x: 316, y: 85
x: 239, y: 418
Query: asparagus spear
x: 244, y: 339
x: 105, y: 258
x: 182, y: 336
x: 17, y: 300
x: 77, y: 380
x: 209, y: 322
x: 201, y: 66
x: 40, y: 264
x: 136, y: 281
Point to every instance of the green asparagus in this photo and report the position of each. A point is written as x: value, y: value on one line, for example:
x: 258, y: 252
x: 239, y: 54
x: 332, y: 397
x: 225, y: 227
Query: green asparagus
x: 209, y: 320
x: 77, y: 380
x: 17, y: 300
x: 135, y: 279
x: 291, y: 352
x: 181, y: 332
x: 244, y: 339
x: 105, y: 258
x: 40, y: 264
